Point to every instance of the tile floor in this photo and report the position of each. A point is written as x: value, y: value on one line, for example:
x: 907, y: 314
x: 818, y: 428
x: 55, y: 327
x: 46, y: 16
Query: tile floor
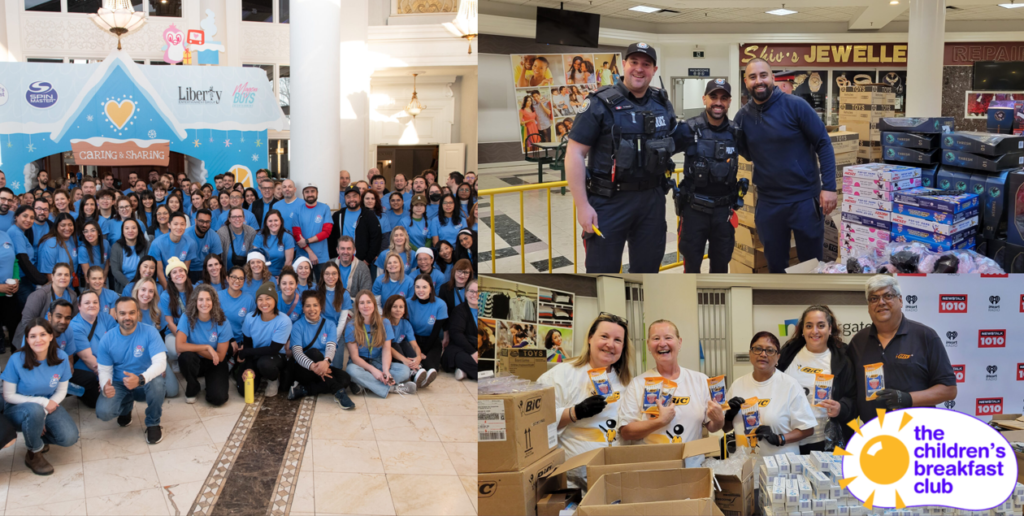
x: 403, y: 455
x: 507, y: 229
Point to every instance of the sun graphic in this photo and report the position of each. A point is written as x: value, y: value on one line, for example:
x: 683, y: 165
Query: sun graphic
x: 883, y: 460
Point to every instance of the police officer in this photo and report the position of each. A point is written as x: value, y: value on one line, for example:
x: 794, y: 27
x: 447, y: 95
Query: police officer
x: 624, y: 132
x: 709, y: 189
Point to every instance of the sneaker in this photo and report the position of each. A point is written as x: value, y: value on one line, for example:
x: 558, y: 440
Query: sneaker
x: 154, y: 434
x: 355, y: 389
x: 297, y: 391
x: 37, y: 463
x: 190, y: 400
x: 343, y: 400
x: 460, y: 375
x: 272, y: 388
x: 405, y: 388
x: 431, y: 376
x: 175, y: 367
x: 125, y: 420
x: 421, y: 379
x: 76, y: 390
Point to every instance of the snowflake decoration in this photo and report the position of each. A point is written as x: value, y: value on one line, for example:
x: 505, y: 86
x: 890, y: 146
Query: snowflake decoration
x: 9, y: 144
x: 196, y: 142
x: 255, y: 157
x: 259, y: 142
x: 89, y: 118
x: 243, y: 138
x: 31, y: 148
x: 16, y: 184
x: 227, y: 142
x: 152, y: 133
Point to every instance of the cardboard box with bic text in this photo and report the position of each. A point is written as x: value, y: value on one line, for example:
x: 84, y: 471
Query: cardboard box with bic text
x: 517, y: 492
x: 659, y: 491
x: 515, y: 429
x: 524, y: 362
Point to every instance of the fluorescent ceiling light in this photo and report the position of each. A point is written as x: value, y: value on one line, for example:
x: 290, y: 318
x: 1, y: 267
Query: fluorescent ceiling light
x: 645, y: 9
x: 1011, y: 5
x: 781, y: 12
x: 894, y: 2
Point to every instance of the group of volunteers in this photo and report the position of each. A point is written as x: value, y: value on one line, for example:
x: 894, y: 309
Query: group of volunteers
x: 106, y: 294
x: 798, y: 398
x: 618, y: 162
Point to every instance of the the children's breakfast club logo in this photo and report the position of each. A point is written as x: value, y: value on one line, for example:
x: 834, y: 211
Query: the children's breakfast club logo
x: 928, y: 456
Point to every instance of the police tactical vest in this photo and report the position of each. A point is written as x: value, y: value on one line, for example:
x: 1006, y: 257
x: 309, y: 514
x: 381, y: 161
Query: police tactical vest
x: 638, y: 143
x: 710, y: 161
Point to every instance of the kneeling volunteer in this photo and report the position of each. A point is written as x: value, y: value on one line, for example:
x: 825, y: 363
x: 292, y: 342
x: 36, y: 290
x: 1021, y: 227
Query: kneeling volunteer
x: 313, y: 343
x: 87, y: 328
x: 264, y: 335
x: 818, y: 348
x: 202, y: 344
x: 679, y: 419
x: 132, y: 361
x: 35, y: 382
x: 785, y: 415
x: 588, y: 389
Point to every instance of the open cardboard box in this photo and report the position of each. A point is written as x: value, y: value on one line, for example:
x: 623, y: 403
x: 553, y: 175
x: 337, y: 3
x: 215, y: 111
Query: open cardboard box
x: 517, y: 492
x: 1017, y: 436
x: 614, y: 459
x: 736, y: 496
x: 654, y: 492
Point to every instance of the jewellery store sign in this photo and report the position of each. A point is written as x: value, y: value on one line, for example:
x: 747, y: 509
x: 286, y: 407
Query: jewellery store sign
x: 831, y: 56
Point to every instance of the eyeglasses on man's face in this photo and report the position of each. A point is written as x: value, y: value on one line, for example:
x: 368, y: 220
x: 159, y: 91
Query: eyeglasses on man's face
x: 888, y: 297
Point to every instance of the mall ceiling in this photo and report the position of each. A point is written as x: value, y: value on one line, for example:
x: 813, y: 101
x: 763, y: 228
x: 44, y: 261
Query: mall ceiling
x: 858, y: 14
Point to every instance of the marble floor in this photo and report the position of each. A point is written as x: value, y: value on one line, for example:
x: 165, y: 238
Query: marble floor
x: 403, y: 455
x: 507, y: 227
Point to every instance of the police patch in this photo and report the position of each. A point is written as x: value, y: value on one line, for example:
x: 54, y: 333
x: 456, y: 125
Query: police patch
x: 586, y: 105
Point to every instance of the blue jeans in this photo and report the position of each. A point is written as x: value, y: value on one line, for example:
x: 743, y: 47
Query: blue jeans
x: 362, y: 377
x: 31, y: 418
x: 124, y: 399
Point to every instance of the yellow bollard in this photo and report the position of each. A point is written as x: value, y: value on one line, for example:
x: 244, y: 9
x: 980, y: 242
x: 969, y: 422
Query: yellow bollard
x: 249, y: 377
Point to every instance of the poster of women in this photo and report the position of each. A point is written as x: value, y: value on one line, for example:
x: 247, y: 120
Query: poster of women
x: 579, y: 69
x: 535, y: 116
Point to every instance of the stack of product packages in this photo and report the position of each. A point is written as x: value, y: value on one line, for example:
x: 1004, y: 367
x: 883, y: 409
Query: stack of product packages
x: 808, y: 485
x: 861, y: 109
x: 869, y: 192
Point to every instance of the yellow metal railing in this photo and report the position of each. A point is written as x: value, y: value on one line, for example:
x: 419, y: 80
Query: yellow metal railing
x: 490, y: 193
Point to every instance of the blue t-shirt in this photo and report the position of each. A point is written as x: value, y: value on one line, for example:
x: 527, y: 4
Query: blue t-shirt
x: 403, y: 332
x: 311, y: 220
x: 22, y: 244
x: 236, y: 309
x: 406, y: 199
x: 264, y: 333
x: 146, y: 318
x: 476, y: 315
x: 80, y: 329
x: 329, y: 312
x: 385, y: 287
x: 165, y: 307
x: 435, y: 275
x: 408, y: 262
x: 38, y: 232
x: 131, y: 286
x: 385, y: 224
x: 163, y: 249
x: 290, y: 212
x: 41, y: 380
x: 351, y: 220
x: 303, y: 332
x: 62, y: 340
x: 432, y: 210
x: 50, y: 254
x: 132, y: 353
x: 274, y: 249
x: 419, y: 233
x: 108, y: 298
x: 250, y: 287
x: 209, y: 244
x: 7, y: 257
x: 293, y: 310
x: 394, y: 220
x: 6, y: 221
x: 448, y: 232
x: 345, y: 272
x: 96, y: 257
x: 250, y: 219
x: 112, y: 231
x: 424, y: 315
x: 205, y: 333
x: 365, y: 351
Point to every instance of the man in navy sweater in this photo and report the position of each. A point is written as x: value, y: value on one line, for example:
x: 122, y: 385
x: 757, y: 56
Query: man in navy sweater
x: 782, y: 135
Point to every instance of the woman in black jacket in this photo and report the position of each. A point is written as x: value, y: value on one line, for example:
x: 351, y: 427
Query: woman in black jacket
x: 453, y: 291
x: 461, y: 355
x: 817, y: 347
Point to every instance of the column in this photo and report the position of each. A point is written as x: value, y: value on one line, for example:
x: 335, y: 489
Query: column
x: 357, y: 67
x: 926, y: 40
x: 735, y: 79
x: 315, y: 57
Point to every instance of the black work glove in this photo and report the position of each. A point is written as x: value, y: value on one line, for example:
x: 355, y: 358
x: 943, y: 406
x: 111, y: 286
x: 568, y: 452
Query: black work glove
x: 765, y: 433
x: 895, y: 399
x: 590, y: 407
x: 734, y: 408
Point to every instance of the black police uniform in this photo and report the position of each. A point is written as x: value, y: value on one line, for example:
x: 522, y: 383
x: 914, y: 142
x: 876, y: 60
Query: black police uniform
x: 630, y: 151
x: 708, y: 192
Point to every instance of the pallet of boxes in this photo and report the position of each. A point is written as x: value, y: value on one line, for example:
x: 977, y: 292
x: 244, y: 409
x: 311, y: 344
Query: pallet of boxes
x: 861, y: 108
x: 748, y: 253
x: 844, y: 144
x: 808, y: 485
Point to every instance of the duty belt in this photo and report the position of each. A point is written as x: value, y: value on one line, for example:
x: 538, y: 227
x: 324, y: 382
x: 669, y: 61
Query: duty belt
x: 606, y: 188
x: 705, y: 204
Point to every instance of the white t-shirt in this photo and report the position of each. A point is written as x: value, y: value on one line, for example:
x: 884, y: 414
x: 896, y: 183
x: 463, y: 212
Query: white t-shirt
x: 783, y: 407
x: 572, y: 385
x: 691, y: 402
x: 803, y: 368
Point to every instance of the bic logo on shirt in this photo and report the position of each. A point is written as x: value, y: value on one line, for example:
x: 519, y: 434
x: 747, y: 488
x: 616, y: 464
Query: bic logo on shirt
x: 810, y: 370
x: 928, y: 456
x: 55, y: 380
x: 764, y: 403
x: 903, y: 356
x: 681, y: 400
x: 139, y: 350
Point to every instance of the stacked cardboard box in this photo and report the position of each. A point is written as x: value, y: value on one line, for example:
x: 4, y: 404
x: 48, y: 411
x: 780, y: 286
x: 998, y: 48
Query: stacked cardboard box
x: 915, y: 141
x: 936, y: 218
x: 866, y: 213
x: 861, y: 108
x: 748, y: 253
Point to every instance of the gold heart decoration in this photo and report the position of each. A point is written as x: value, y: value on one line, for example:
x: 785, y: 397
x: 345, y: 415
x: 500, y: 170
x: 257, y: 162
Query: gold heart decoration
x: 119, y: 114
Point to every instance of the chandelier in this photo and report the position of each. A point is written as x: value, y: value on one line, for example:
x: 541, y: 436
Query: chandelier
x: 465, y: 23
x: 119, y: 18
x: 414, y: 108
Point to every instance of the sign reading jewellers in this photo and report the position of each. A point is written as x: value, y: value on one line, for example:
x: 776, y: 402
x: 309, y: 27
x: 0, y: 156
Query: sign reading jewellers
x: 831, y: 56
x: 188, y: 95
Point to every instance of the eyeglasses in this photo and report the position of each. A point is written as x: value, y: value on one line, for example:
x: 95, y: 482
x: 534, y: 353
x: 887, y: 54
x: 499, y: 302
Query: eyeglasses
x: 605, y: 316
x: 888, y: 297
x: 473, y: 292
x: 236, y: 278
x: 768, y: 352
